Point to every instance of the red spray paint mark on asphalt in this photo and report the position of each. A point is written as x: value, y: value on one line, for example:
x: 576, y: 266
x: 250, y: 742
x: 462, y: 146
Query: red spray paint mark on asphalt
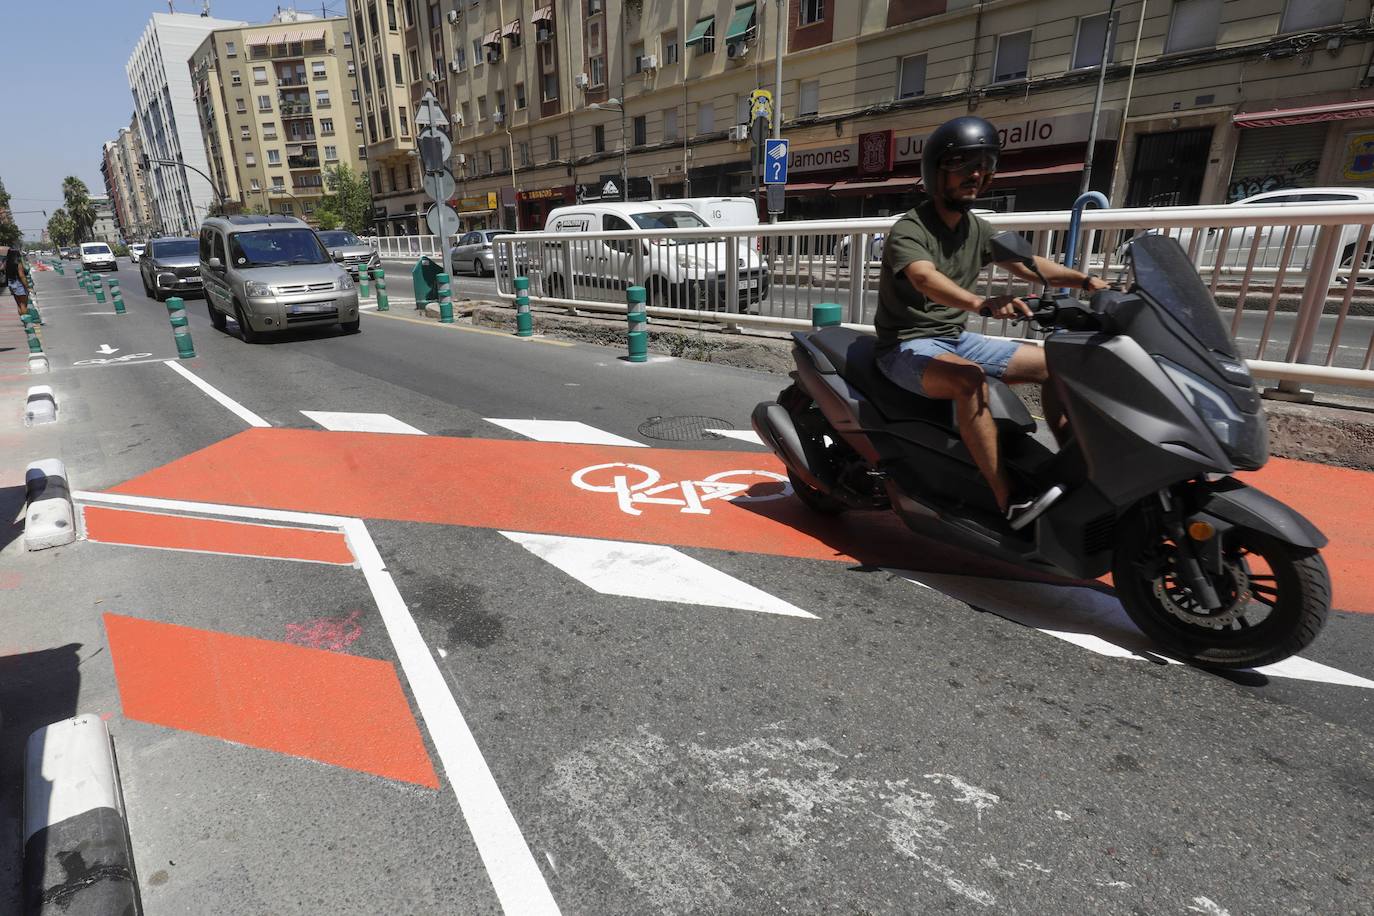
x: 333, y: 633
x: 527, y: 486
x: 335, y: 708
x: 10, y: 580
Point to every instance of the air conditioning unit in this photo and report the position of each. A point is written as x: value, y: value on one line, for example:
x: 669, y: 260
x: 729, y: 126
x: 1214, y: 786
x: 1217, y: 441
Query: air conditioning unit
x: 493, y: 54
x: 593, y: 7
x: 432, y: 76
x: 453, y: 17
x: 455, y: 66
x: 649, y: 62
x: 543, y: 34
x: 498, y: 116
x: 737, y: 50
x: 460, y: 158
x: 581, y: 81
x: 739, y: 133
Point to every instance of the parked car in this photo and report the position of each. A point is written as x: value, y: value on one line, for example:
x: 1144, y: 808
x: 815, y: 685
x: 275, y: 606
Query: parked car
x: 171, y: 267
x: 473, y: 252
x: 97, y: 256
x: 70, y: 254
x: 350, y: 251
x: 136, y: 251
x: 272, y: 273
x: 675, y: 271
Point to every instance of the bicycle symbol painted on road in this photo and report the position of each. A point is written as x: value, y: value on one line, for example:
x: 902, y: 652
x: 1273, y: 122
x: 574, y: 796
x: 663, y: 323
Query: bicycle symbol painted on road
x: 106, y: 362
x: 635, y: 485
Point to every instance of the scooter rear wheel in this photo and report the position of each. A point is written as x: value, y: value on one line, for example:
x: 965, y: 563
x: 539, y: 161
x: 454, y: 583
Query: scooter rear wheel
x: 1275, y: 597
x: 807, y: 418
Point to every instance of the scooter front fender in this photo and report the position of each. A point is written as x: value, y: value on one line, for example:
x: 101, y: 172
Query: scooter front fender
x: 1242, y: 506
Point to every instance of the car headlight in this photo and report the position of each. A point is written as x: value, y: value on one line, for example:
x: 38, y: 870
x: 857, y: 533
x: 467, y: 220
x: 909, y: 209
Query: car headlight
x: 166, y: 279
x: 256, y: 290
x: 688, y: 260
x: 375, y: 260
x: 1216, y: 409
x: 344, y: 281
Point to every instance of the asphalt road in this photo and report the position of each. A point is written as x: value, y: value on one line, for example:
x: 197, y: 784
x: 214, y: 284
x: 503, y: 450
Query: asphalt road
x: 835, y: 736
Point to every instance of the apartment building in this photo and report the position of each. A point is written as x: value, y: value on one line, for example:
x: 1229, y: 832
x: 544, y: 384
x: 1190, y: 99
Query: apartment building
x: 136, y: 193
x: 1204, y: 101
x: 166, y: 117
x: 276, y: 105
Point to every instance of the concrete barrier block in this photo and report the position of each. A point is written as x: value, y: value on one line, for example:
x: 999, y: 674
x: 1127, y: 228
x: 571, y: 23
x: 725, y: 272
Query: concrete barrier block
x: 38, y: 364
x: 41, y: 406
x: 49, y: 519
x: 77, y: 856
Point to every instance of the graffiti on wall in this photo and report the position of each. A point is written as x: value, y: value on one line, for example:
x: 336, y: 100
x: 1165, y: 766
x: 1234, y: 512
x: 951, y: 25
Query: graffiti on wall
x: 1294, y: 176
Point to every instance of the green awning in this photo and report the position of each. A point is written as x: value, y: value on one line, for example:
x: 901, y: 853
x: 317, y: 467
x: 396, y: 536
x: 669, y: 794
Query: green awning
x: 742, y: 23
x: 701, y: 30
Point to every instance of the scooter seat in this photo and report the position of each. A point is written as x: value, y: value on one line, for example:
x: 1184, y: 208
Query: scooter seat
x: 854, y: 356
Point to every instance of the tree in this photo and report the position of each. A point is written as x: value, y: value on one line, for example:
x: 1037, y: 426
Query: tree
x: 9, y: 232
x: 348, y: 203
x: 60, y: 228
x: 80, y: 210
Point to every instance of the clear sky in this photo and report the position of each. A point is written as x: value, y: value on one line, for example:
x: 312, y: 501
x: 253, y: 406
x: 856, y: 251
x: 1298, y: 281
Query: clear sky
x: 63, y: 66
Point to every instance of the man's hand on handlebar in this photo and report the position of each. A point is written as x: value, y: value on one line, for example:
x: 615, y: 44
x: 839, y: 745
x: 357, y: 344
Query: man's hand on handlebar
x: 1005, y: 307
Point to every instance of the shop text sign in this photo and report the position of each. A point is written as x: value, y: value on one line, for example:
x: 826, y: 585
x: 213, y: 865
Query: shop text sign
x: 1016, y: 134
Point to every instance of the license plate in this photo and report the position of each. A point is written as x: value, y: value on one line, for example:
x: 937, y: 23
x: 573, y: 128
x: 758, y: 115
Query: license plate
x: 310, y: 308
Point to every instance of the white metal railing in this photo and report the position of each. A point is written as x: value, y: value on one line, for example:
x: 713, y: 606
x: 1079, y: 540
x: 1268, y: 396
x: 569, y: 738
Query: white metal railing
x: 1287, y: 277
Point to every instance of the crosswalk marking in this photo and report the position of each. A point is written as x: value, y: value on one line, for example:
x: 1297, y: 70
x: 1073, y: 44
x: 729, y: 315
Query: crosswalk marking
x: 1094, y: 620
x: 340, y: 421
x: 650, y: 571
x: 570, y: 431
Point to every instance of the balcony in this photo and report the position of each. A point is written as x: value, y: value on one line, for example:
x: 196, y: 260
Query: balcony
x: 295, y: 109
x: 291, y: 81
x: 303, y: 162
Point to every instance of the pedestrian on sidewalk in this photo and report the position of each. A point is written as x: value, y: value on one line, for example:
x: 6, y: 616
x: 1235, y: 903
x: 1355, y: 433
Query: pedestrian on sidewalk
x: 17, y: 278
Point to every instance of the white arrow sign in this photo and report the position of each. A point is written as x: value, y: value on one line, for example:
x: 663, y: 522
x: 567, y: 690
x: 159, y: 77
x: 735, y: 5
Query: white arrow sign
x: 106, y: 349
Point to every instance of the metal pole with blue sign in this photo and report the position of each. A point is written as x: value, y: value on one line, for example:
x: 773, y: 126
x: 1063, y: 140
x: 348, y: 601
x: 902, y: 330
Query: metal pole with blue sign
x: 775, y: 158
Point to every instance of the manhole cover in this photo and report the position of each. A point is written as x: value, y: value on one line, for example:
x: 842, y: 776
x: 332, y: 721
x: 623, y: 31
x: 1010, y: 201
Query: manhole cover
x: 682, y: 429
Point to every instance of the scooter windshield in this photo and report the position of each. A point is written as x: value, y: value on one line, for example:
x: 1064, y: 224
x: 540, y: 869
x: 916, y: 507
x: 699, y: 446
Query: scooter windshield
x: 1163, y: 272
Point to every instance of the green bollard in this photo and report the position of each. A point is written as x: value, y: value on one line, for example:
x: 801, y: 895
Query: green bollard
x: 35, y: 345
x: 383, y: 305
x: 33, y: 312
x: 364, y: 277
x: 825, y: 314
x: 117, y: 297
x: 100, y: 291
x: 81, y: 277
x: 524, y: 321
x: 445, y: 300
x: 639, y: 324
x: 61, y: 271
x: 181, y: 332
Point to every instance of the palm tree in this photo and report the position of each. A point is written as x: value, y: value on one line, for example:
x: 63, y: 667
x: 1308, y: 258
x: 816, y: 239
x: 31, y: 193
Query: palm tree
x: 80, y: 210
x: 60, y: 229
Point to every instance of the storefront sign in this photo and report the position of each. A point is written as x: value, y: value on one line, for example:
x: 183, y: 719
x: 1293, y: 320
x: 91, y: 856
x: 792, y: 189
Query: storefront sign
x: 876, y: 150
x: 1358, y: 164
x: 1019, y: 134
x: 481, y: 203
x: 564, y: 192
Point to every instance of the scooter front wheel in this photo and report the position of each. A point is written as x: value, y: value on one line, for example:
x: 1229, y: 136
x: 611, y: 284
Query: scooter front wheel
x: 1275, y: 597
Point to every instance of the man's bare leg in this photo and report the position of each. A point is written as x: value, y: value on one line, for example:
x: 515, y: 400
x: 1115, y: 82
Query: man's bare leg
x: 1027, y: 366
x: 952, y: 378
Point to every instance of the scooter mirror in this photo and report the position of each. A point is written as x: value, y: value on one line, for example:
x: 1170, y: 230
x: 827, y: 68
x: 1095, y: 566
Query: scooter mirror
x: 1008, y: 246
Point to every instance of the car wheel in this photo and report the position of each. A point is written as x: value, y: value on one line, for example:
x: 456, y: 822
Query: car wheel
x: 218, y: 320
x: 245, y: 329
x: 351, y: 327
x: 477, y: 269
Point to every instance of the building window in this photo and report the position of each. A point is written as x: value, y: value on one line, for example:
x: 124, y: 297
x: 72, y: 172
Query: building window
x: 317, y: 70
x: 376, y: 181
x: 641, y: 128
x: 911, y: 76
x: 637, y: 53
x: 599, y: 138
x: 703, y: 35
x: 250, y: 160
x: 278, y: 181
x: 362, y: 152
x: 331, y: 153
x: 486, y: 162
x: 326, y: 126
x: 706, y: 118
x: 1013, y: 57
x: 477, y: 52
x: 358, y: 124
x: 321, y: 98
x: 1302, y: 15
x: 269, y: 130
x: 670, y: 124
x: 235, y: 79
x: 503, y: 158
x: 460, y: 58
x: 466, y: 116
x: 274, y: 157
x: 355, y: 96
x: 254, y: 184
x: 391, y: 15
x: 386, y: 124
x: 524, y: 154
x: 240, y: 105
x: 264, y: 103
x: 553, y: 147
x: 259, y: 76
x: 550, y: 89
x: 481, y: 108
x: 391, y: 173
x: 1087, y: 49
x: 809, y: 100
x: 598, y: 71
x: 230, y: 49
x: 405, y: 122
x: 742, y: 106
x: 1193, y: 25
x: 671, y: 51
x: 348, y: 39
x: 244, y: 135
x: 397, y: 71
x: 811, y: 12
x: 519, y: 96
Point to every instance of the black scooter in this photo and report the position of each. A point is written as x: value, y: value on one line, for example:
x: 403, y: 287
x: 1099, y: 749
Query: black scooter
x: 1162, y: 410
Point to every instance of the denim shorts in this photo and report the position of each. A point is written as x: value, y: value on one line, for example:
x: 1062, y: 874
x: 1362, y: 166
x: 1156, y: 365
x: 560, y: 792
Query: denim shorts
x: 906, y: 363
x: 17, y: 288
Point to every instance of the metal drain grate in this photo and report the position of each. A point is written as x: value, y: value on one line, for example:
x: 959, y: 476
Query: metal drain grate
x: 682, y: 429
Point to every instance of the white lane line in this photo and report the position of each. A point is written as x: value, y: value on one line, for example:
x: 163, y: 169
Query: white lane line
x: 564, y: 431
x: 516, y: 878
x: 234, y: 407
x: 1094, y: 620
x: 340, y: 421
x: 743, y: 435
x: 194, y: 508
x: 649, y: 571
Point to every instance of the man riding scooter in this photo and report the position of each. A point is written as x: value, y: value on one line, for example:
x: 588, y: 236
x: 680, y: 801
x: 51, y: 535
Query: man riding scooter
x: 931, y: 261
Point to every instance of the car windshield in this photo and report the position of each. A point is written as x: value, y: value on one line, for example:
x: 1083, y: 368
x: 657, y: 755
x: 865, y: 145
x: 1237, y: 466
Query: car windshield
x: 176, y: 248
x: 488, y: 236
x: 276, y: 248
x: 95, y: 249
x: 1164, y: 273
x: 674, y: 220
x: 338, y: 238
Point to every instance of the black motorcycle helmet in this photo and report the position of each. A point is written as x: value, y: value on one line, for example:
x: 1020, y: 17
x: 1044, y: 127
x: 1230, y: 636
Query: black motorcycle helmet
x: 967, y: 134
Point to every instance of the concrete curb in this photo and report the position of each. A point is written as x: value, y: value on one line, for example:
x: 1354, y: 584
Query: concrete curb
x: 40, y: 406
x: 77, y: 856
x: 49, y: 518
x: 38, y: 364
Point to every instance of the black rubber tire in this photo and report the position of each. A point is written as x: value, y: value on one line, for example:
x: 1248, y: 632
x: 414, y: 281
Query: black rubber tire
x: 147, y: 290
x: 657, y: 292
x: 1348, y: 263
x: 1301, y: 581
x: 477, y: 269
x: 246, y: 331
x: 797, y: 402
x: 351, y: 327
x: 554, y: 287
x: 218, y: 320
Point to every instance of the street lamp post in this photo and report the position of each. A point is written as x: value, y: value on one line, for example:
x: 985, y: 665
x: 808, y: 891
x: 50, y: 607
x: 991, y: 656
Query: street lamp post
x: 618, y: 105
x: 219, y: 195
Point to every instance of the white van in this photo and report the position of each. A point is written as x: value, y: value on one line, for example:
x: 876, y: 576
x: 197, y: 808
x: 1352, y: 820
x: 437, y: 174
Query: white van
x: 687, y: 273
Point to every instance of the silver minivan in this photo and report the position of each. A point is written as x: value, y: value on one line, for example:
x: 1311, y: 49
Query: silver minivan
x: 271, y: 273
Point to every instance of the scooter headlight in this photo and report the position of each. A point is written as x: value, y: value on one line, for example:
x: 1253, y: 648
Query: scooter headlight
x: 1243, y: 436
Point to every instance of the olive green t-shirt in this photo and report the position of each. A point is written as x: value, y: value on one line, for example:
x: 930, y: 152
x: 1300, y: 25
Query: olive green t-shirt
x: 960, y: 254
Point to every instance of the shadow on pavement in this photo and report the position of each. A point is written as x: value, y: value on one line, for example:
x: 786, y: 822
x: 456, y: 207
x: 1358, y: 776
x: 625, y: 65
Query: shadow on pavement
x: 11, y: 520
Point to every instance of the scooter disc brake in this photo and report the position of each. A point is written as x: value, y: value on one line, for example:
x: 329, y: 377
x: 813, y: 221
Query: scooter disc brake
x: 1234, y: 592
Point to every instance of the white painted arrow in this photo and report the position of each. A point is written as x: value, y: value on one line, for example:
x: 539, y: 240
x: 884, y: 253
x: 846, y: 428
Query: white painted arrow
x: 106, y: 349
